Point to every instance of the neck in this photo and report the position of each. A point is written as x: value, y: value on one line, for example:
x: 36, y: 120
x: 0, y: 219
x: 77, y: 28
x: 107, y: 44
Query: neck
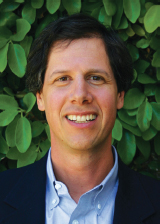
x: 76, y: 170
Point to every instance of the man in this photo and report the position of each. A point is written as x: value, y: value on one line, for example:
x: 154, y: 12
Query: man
x: 79, y: 72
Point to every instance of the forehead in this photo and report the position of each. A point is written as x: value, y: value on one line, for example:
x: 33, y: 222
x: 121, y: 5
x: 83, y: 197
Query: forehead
x: 80, y: 51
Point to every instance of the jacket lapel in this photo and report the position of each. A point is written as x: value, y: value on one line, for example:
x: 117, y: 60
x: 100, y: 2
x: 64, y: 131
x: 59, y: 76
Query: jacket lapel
x: 27, y: 197
x: 132, y: 205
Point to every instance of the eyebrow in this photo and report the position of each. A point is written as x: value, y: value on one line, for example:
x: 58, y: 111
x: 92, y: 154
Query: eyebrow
x: 88, y: 72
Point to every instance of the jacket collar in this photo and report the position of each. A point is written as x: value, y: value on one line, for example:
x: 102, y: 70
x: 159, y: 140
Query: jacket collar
x: 132, y: 204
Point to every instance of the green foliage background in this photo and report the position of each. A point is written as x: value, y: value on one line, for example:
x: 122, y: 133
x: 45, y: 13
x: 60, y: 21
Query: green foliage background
x: 24, y: 133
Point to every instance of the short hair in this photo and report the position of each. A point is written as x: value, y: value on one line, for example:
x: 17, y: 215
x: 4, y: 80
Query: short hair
x: 71, y: 28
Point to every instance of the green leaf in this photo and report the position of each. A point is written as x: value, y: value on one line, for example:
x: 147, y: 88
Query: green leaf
x: 132, y: 112
x: 157, y: 94
x: 28, y: 157
x: 141, y: 66
x: 143, y: 9
x: 20, y: 1
x: 156, y: 115
x: 37, y: 128
x: 7, y: 117
x: 148, y: 5
x: 23, y: 134
x: 29, y: 100
x: 47, y: 129
x: 8, y: 91
x: 131, y: 120
x: 134, y: 76
x: 144, y: 116
x: 145, y: 79
x: 158, y: 74
x: 157, y: 143
x: 117, y: 130
x: 132, y: 9
x: 152, y: 18
x: 127, y: 147
x: 53, y: 5
x: 13, y: 153
x: 143, y: 43
x: 135, y: 130
x: 26, y: 44
x: 10, y: 132
x: 144, y: 147
x: 37, y: 4
x: 129, y: 31
x: 17, y: 59
x: 29, y: 13
x: 5, y: 35
x: 133, y: 99
x: 104, y: 18
x: 8, y: 102
x: 8, y: 6
x: 72, y: 6
x: 155, y: 43
x: 138, y: 30
x: 123, y: 36
x: 3, y: 146
x: 110, y: 7
x: 22, y: 29
x: 123, y: 24
x: 47, y: 19
x: 3, y: 57
x: 45, y: 146
x: 156, y: 59
x: 8, y: 19
x: 149, y: 134
x: 133, y: 52
x: 117, y: 17
x: 149, y: 89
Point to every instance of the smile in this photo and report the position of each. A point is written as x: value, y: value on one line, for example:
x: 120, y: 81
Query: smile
x: 81, y: 119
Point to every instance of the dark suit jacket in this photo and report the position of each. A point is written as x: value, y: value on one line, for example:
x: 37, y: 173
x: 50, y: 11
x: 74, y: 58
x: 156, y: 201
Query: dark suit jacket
x: 22, y: 196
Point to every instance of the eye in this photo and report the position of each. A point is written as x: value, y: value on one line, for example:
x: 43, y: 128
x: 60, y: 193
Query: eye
x: 63, y: 79
x: 97, y: 78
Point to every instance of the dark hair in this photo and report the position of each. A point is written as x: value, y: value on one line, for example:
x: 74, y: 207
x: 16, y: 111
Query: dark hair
x: 74, y: 27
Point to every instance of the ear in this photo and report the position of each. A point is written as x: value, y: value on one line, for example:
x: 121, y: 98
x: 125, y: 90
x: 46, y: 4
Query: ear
x: 120, y: 99
x: 40, y: 101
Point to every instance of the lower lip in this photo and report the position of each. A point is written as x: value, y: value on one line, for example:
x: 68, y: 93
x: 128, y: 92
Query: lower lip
x: 82, y: 125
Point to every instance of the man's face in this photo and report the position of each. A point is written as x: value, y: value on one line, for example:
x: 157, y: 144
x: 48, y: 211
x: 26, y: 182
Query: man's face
x: 79, y: 85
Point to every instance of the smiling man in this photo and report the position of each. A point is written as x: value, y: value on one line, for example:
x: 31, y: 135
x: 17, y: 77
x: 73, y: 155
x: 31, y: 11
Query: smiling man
x: 79, y: 72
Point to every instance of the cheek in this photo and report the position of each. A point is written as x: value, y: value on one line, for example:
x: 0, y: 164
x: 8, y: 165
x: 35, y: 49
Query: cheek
x: 54, y: 102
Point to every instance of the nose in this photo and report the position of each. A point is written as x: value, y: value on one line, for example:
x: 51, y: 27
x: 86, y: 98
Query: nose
x: 80, y: 92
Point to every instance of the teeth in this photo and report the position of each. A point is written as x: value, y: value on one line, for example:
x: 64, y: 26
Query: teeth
x: 74, y: 117
x: 87, y: 117
x: 82, y: 119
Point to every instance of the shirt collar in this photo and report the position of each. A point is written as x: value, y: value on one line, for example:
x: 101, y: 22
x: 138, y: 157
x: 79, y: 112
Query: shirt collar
x: 102, y: 191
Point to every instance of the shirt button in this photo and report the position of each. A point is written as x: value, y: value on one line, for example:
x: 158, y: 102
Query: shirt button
x: 54, y: 201
x: 58, y: 186
x: 99, y: 206
x: 75, y: 222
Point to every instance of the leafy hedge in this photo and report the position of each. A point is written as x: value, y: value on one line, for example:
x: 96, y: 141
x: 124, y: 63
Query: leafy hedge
x: 24, y: 132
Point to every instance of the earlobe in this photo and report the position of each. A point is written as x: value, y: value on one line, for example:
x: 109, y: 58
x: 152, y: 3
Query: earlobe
x: 40, y: 101
x: 120, y: 99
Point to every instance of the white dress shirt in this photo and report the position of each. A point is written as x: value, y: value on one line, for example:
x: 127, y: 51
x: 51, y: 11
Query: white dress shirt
x: 94, y: 207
